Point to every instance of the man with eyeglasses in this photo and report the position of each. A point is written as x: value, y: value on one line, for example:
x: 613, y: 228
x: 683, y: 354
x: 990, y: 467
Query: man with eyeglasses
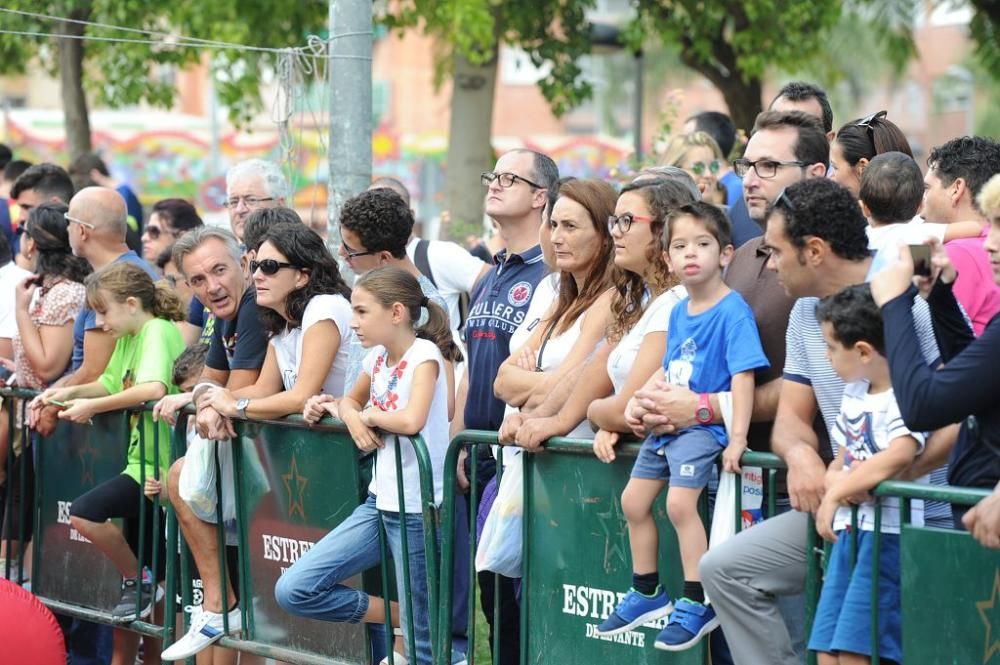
x: 785, y: 148
x: 375, y: 226
x: 250, y: 185
x: 516, y: 193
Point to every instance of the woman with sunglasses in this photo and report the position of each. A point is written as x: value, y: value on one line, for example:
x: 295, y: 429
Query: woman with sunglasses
x: 304, y: 305
x: 168, y: 221
x: 700, y: 156
x: 644, y: 292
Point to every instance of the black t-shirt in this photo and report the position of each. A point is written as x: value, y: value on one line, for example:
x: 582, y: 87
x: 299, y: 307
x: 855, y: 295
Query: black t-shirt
x: 240, y: 343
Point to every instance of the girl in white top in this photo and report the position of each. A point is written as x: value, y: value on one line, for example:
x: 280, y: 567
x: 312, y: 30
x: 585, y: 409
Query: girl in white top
x: 303, y: 304
x: 402, y: 390
x: 643, y: 295
x: 536, y: 379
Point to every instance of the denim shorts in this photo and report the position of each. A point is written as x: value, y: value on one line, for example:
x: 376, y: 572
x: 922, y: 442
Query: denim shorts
x: 843, y: 616
x: 686, y: 461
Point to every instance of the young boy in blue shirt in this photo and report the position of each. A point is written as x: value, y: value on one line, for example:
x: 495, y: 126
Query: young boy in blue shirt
x: 712, y: 346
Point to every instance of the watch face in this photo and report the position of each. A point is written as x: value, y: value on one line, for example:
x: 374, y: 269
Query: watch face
x: 703, y: 415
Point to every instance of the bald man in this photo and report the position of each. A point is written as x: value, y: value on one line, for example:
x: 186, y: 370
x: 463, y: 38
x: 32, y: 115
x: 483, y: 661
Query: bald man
x: 97, y: 225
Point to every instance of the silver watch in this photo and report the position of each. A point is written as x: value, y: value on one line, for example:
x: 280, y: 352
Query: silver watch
x: 241, y: 407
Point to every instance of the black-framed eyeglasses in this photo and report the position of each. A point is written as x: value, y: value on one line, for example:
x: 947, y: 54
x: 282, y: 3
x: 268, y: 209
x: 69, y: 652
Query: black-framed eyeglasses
x: 350, y: 254
x: 505, y: 180
x: 624, y: 221
x: 248, y: 201
x: 765, y: 168
x: 271, y: 266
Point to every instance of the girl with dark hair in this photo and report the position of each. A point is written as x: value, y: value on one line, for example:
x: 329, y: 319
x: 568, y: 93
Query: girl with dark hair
x: 575, y: 323
x: 858, y: 142
x: 402, y: 391
x: 46, y: 305
x: 303, y: 304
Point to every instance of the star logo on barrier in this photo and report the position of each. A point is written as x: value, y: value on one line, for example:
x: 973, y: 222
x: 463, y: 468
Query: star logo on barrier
x: 614, y: 537
x: 990, y: 614
x: 295, y: 485
x: 88, y: 457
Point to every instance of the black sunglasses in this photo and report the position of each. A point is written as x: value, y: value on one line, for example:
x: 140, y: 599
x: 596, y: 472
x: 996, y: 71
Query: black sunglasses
x: 154, y: 232
x: 869, y: 121
x: 270, y: 266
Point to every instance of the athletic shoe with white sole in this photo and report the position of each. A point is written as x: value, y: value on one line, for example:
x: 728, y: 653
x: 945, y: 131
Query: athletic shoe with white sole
x: 206, y: 629
x: 132, y: 589
x: 689, y: 622
x: 635, y: 610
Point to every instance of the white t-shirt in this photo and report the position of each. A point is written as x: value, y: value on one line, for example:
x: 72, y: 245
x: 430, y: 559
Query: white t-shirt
x: 914, y: 232
x: 10, y: 276
x: 654, y: 319
x: 545, y: 294
x: 867, y: 424
x: 288, y: 343
x: 390, y: 391
x: 455, y: 272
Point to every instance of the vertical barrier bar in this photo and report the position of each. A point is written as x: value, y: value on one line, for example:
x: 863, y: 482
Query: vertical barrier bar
x: 772, y: 492
x: 429, y: 518
x: 876, y: 546
x: 384, y: 558
x: 496, y: 576
x: 154, y: 555
x: 812, y: 581
x: 738, y: 501
x: 407, y: 597
x: 247, y: 619
x: 8, y: 507
x: 473, y: 581
x: 171, y: 581
x: 37, y: 539
x: 220, y: 539
x: 142, y: 514
x: 528, y: 460
x: 23, y: 473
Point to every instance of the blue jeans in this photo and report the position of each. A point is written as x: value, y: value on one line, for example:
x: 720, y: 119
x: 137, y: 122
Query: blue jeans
x: 312, y: 586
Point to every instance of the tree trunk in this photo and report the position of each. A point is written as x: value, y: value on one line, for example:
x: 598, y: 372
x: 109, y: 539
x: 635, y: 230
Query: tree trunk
x: 743, y: 100
x: 469, y: 149
x: 77, y: 119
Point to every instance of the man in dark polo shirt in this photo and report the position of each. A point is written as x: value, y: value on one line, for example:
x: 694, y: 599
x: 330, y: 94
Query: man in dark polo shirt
x: 785, y: 147
x: 213, y: 264
x: 516, y: 192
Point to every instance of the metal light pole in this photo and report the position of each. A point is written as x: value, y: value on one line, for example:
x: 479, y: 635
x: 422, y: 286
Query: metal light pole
x: 350, y: 107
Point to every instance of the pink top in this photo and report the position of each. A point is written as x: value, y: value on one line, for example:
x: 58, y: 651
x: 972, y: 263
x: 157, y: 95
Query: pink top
x: 55, y: 304
x: 974, y: 289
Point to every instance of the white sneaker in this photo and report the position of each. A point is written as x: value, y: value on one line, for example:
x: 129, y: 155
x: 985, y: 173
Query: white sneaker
x: 206, y: 628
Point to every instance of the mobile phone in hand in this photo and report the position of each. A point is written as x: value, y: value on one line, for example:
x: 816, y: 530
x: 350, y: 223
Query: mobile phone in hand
x: 921, y: 260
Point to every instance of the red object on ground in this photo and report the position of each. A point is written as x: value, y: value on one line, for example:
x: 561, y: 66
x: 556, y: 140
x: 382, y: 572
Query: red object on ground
x: 28, y: 631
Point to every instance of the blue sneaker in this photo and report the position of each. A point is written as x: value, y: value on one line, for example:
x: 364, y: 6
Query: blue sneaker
x: 689, y: 622
x: 635, y: 610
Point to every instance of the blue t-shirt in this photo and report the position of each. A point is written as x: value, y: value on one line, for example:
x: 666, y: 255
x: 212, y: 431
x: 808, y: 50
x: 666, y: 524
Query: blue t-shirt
x: 87, y: 318
x: 734, y: 187
x: 7, y: 228
x: 499, y: 304
x: 132, y: 204
x: 705, y: 350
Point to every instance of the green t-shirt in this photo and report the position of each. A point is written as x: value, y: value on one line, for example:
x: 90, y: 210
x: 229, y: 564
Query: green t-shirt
x: 142, y: 358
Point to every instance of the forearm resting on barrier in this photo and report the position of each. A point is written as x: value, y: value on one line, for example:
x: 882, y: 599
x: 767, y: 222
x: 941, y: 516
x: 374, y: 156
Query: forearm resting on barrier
x: 936, y: 451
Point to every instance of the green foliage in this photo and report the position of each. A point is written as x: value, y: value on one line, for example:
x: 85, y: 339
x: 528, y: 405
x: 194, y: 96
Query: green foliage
x: 553, y: 34
x: 120, y: 74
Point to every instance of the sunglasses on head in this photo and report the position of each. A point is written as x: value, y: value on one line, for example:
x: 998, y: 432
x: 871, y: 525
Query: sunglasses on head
x: 271, y: 266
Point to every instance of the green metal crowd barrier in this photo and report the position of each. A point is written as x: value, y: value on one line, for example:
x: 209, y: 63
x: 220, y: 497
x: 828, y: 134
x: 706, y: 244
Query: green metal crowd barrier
x: 294, y: 483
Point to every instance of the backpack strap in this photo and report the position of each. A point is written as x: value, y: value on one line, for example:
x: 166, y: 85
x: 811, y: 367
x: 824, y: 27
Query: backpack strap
x: 421, y: 261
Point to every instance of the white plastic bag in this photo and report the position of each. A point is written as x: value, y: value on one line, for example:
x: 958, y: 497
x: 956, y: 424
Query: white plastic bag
x: 500, y: 545
x: 198, y: 478
x: 723, y: 519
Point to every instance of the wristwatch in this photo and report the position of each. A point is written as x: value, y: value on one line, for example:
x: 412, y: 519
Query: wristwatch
x: 704, y: 414
x: 241, y: 407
